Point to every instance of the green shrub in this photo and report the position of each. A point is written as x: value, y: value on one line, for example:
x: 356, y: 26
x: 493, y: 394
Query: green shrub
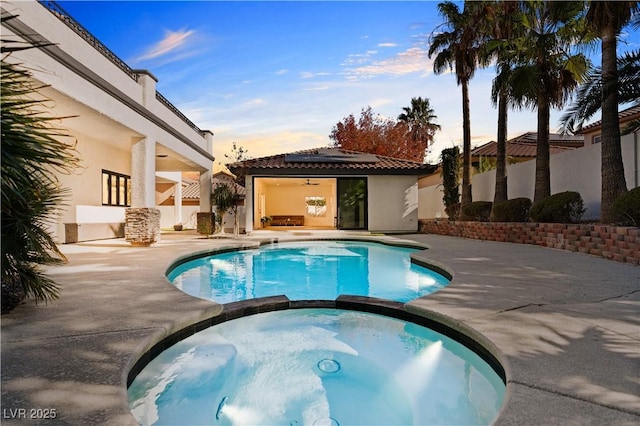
x: 515, y: 210
x: 451, y: 181
x: 476, y: 211
x: 626, y: 208
x: 563, y: 207
x: 452, y: 211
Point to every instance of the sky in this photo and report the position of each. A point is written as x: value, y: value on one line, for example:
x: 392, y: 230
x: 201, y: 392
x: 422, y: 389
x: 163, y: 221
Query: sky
x: 276, y: 77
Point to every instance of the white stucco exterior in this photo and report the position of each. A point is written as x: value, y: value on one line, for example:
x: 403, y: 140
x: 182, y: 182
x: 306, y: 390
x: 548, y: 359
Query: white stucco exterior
x: 393, y: 203
x: 575, y: 170
x: 392, y: 200
x: 116, y: 118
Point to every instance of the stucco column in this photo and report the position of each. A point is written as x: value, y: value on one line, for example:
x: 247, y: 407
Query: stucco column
x: 143, y: 173
x: 142, y: 219
x: 148, y: 82
x: 248, y: 202
x: 177, y: 203
x: 205, y: 191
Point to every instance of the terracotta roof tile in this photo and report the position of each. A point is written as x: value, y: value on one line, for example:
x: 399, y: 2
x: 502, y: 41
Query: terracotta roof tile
x: 328, y: 161
x: 525, y: 145
x: 192, y: 191
x: 622, y: 116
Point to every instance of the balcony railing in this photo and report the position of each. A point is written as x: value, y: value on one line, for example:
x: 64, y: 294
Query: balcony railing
x: 61, y: 14
x: 177, y: 112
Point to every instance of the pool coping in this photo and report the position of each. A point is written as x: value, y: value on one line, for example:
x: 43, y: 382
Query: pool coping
x: 471, y: 339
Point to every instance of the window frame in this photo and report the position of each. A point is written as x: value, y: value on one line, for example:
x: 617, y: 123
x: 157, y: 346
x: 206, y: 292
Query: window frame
x: 118, y: 186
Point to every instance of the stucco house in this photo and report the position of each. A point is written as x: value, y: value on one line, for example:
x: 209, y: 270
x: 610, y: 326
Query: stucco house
x: 592, y: 132
x: 331, y: 188
x: 126, y: 133
x: 523, y: 147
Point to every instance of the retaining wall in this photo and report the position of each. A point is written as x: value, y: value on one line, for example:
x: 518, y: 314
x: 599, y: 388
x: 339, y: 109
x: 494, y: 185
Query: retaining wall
x: 611, y: 242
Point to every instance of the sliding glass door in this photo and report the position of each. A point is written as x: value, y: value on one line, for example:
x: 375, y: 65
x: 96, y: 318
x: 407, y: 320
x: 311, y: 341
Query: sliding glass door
x: 352, y: 203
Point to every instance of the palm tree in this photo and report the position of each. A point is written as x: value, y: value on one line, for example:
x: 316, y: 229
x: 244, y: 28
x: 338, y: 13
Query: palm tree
x: 607, y: 19
x: 547, y: 69
x: 456, y: 49
x: 499, y: 27
x: 420, y: 117
x: 32, y: 152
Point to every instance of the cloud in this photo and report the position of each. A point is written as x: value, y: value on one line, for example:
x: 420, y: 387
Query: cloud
x: 308, y: 74
x: 359, y: 58
x: 316, y: 89
x: 387, y: 44
x: 171, y: 41
x: 282, y: 72
x: 255, y: 102
x: 412, y: 60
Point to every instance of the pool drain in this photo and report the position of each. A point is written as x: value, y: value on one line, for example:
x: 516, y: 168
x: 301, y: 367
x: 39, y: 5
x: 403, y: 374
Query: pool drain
x: 329, y: 365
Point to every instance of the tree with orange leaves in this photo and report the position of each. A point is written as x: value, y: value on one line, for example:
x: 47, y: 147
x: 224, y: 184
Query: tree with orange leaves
x: 375, y: 134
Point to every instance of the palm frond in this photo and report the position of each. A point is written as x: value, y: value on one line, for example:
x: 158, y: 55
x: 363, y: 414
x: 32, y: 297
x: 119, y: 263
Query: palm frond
x: 588, y: 97
x: 32, y: 198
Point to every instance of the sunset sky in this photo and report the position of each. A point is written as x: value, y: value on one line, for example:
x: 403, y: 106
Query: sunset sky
x: 276, y: 77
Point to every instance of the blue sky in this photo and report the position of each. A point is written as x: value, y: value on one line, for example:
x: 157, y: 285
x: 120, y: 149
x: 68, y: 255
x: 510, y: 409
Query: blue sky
x: 277, y: 76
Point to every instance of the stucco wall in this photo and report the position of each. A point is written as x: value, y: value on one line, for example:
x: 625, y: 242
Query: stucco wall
x: 85, y: 203
x: 576, y: 170
x: 393, y: 203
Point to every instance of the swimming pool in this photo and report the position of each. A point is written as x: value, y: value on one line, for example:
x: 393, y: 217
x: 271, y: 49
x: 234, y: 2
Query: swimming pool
x: 317, y: 367
x: 308, y: 270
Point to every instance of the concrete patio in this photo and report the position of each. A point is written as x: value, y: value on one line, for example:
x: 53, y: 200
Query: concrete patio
x: 566, y: 326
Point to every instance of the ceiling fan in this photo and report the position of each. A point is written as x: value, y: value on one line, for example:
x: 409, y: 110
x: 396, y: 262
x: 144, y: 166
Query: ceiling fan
x: 309, y: 183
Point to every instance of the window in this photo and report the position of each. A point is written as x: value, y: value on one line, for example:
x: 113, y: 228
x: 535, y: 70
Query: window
x: 316, y: 206
x: 116, y: 189
x: 597, y: 139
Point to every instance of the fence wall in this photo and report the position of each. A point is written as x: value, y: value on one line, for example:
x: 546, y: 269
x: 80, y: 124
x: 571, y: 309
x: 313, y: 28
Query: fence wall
x: 576, y: 170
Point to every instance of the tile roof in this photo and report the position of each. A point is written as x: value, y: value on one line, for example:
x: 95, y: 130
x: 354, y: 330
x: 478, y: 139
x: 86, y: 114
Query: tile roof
x: 525, y: 145
x: 624, y: 115
x: 191, y: 191
x: 515, y: 149
x: 327, y: 161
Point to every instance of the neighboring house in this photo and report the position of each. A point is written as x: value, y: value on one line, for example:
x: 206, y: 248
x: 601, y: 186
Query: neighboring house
x: 523, y: 147
x: 331, y: 188
x: 186, y: 215
x: 592, y: 132
x: 572, y: 169
x: 126, y: 133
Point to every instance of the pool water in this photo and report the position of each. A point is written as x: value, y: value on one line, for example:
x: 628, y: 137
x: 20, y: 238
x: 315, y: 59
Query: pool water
x: 308, y: 270
x: 317, y: 367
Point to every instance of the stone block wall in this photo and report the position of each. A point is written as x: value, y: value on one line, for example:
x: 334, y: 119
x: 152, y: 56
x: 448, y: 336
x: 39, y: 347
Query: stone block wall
x: 611, y: 242
x: 142, y: 226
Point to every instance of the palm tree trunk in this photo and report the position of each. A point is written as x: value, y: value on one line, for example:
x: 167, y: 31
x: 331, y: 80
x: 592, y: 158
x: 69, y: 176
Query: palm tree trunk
x: 466, y: 145
x: 613, y: 180
x: 501, y: 160
x: 543, y: 175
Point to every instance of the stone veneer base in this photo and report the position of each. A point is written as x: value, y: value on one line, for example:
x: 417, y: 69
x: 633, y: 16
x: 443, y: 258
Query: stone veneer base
x: 142, y: 226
